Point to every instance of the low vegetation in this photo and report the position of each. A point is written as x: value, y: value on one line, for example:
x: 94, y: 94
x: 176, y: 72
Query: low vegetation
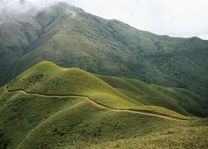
x: 33, y: 121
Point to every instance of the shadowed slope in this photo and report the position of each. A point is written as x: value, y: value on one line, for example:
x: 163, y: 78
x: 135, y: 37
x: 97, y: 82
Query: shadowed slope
x: 176, y: 99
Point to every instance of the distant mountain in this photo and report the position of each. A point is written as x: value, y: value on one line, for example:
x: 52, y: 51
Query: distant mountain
x: 49, y: 106
x: 71, y: 37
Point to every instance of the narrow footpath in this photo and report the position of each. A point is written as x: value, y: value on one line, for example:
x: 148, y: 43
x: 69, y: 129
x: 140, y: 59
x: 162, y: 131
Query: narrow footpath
x: 99, y: 105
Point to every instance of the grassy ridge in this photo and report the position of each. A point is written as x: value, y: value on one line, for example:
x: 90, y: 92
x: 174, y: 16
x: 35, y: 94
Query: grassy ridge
x: 48, y: 78
x: 50, y: 122
x: 57, y: 80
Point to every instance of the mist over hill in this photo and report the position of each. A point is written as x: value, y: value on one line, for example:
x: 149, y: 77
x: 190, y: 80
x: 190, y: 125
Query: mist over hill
x: 24, y: 5
x: 70, y: 79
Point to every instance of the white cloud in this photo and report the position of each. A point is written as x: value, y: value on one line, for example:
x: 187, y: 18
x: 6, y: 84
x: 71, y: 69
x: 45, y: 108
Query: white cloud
x: 184, y: 18
x: 173, y: 17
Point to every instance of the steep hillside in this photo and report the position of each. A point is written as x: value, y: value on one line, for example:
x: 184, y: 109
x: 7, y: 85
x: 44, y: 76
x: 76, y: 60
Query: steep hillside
x: 55, y: 107
x: 17, y: 32
x: 71, y: 37
x: 176, y: 99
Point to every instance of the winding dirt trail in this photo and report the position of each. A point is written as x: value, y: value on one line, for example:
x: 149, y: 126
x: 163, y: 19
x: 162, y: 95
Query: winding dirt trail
x: 99, y: 105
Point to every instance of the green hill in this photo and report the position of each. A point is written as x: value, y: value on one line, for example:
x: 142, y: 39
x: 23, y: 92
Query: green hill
x: 176, y: 99
x: 71, y: 37
x: 46, y: 78
x: 116, y: 86
x: 49, y: 106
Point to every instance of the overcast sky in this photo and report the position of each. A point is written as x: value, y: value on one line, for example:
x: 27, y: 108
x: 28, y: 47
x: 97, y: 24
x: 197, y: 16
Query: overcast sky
x: 183, y: 18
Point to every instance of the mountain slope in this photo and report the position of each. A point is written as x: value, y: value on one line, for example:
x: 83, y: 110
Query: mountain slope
x: 17, y: 32
x: 53, y: 112
x: 71, y: 37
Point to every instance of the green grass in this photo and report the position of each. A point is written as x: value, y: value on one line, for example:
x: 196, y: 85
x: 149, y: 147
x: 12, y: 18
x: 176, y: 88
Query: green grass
x: 48, y: 78
x: 19, y: 114
x: 32, y: 122
x: 47, y: 122
x: 181, y: 136
x: 103, y: 47
x: 176, y: 99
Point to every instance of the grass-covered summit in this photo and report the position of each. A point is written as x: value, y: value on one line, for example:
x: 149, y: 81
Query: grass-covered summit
x: 49, y: 106
x: 46, y: 78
